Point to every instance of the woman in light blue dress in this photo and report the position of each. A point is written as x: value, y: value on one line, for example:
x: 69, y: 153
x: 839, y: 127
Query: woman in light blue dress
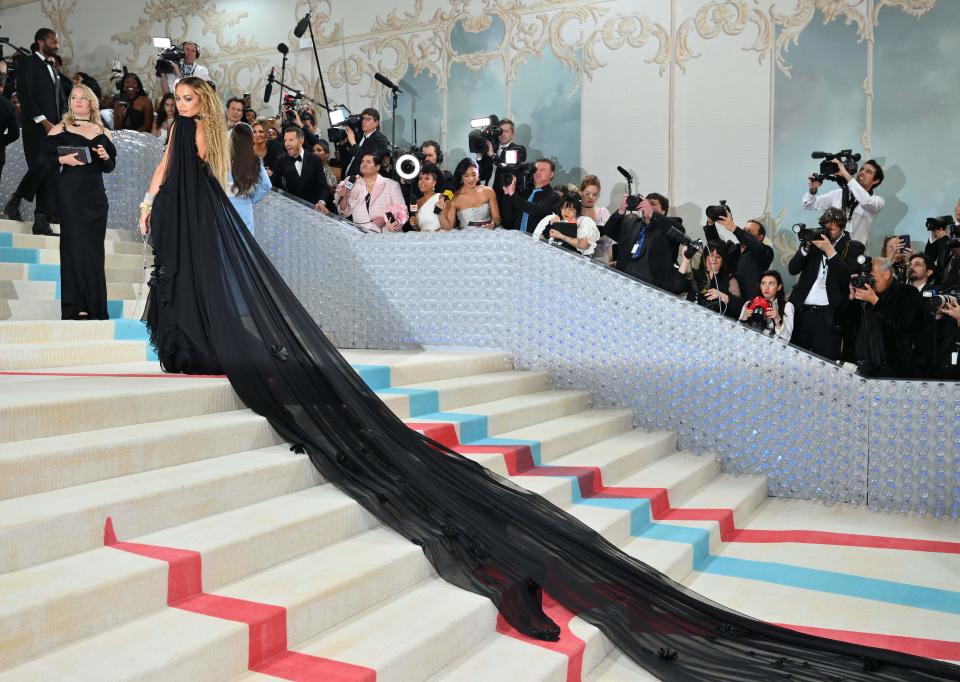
x: 247, y: 180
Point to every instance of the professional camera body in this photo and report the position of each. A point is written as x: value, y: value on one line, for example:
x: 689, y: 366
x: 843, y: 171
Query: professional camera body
x: 167, y: 57
x: 808, y: 234
x: 410, y: 162
x: 864, y: 273
x: 945, y: 222
x: 718, y: 212
x: 483, y: 130
x: 340, y: 119
x: 939, y: 299
x: 523, y: 172
x: 828, y: 168
x: 757, y: 319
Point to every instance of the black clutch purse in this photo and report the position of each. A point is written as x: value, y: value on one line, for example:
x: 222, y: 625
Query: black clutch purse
x: 82, y: 153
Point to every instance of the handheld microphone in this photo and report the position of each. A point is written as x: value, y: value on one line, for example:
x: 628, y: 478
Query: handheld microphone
x: 267, y: 91
x: 386, y: 81
x: 447, y: 194
x: 348, y: 185
x: 623, y: 171
x: 301, y: 27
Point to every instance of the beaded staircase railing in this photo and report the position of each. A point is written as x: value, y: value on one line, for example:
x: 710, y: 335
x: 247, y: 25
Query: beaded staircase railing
x: 814, y: 429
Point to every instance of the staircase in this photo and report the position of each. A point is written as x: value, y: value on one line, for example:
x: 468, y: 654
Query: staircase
x: 152, y: 528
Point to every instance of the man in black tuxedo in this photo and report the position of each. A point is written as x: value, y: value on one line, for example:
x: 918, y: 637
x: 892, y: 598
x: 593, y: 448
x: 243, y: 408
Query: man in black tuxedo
x: 42, y: 106
x: 9, y: 126
x: 748, y: 259
x: 525, y: 210
x: 648, y: 242
x: 300, y: 173
x: 490, y: 162
x: 372, y: 142
x: 825, y: 266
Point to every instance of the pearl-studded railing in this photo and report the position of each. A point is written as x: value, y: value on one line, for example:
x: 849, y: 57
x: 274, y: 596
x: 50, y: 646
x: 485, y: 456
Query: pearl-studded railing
x: 760, y: 406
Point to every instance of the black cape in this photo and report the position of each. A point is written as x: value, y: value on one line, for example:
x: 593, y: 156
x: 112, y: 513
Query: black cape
x: 217, y: 303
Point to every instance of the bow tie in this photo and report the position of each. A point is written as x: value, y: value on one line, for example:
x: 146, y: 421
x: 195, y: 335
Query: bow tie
x: 297, y: 158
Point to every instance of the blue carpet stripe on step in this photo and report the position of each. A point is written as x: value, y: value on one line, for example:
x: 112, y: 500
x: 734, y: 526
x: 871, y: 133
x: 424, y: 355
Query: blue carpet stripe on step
x: 473, y: 431
x: 43, y: 272
x: 6, y: 239
x: 9, y: 254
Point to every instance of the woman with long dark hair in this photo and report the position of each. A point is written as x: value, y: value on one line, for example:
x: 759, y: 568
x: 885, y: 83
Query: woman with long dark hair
x: 82, y: 206
x: 217, y: 305
x: 770, y: 312
x: 714, y: 285
x: 247, y: 180
x: 132, y: 108
x: 570, y: 210
x: 166, y: 112
x: 473, y: 204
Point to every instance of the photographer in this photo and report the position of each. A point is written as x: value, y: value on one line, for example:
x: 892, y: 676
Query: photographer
x: 524, y: 211
x: 713, y: 284
x: 188, y: 67
x: 938, y: 245
x: 898, y: 253
x: 491, y: 160
x: 372, y: 141
x: 648, y: 242
x: 886, y: 320
x: 770, y: 313
x: 920, y: 273
x: 866, y: 205
x: 750, y: 257
x: 946, y: 358
x: 433, y: 156
x: 824, y: 265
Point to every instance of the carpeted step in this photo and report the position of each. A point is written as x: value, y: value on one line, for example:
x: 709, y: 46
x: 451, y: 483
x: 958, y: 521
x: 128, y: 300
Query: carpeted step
x: 51, y: 256
x: 54, y: 524
x: 38, y: 605
x: 32, y: 241
x: 39, y: 309
x: 51, y: 273
x: 23, y: 356
x: 410, y: 367
x: 113, y: 234
x: 40, y: 465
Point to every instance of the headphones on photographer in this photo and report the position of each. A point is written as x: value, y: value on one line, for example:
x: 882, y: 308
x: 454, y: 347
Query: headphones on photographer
x: 190, y: 42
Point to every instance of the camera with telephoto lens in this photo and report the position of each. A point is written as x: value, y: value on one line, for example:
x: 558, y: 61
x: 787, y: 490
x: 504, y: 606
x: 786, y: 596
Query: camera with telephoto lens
x: 718, y: 212
x: 864, y: 274
x: 828, y: 169
x: 484, y: 129
x: 940, y: 299
x: 633, y: 201
x: 808, y: 234
x: 167, y: 58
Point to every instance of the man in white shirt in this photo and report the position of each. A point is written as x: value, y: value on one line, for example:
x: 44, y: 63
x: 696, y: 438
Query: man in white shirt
x: 866, y: 204
x: 190, y: 67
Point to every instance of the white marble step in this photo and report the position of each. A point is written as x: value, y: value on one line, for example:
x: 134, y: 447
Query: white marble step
x: 40, y: 309
x: 24, y: 289
x: 19, y: 227
x: 54, y: 524
x: 24, y: 356
x: 26, y: 240
x: 127, y: 261
x: 21, y: 271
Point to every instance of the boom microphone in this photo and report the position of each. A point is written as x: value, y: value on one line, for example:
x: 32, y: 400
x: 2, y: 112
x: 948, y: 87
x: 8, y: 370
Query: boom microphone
x: 386, y: 81
x: 623, y: 171
x: 819, y: 155
x: 269, y: 89
x: 282, y: 48
x: 302, y: 26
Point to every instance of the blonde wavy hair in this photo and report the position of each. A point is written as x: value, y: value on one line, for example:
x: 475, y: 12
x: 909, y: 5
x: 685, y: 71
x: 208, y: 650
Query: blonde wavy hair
x: 214, y: 125
x: 69, y: 118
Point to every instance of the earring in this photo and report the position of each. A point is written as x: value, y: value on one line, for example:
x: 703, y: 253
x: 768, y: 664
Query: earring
x: 201, y: 116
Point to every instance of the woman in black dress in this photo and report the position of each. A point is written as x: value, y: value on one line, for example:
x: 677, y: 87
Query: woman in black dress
x: 132, y: 108
x: 82, y: 206
x: 218, y: 304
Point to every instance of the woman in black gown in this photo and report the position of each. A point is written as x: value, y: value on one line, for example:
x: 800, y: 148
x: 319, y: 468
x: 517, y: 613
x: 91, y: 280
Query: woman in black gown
x: 82, y: 206
x: 216, y: 303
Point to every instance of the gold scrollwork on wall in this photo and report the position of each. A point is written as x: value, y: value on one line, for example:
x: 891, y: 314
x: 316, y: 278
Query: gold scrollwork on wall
x: 730, y: 17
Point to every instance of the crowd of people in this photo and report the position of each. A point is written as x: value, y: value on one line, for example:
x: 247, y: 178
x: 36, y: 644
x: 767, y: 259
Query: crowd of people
x: 893, y: 315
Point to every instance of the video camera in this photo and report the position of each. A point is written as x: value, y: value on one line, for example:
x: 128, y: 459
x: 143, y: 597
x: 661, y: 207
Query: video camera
x: 828, y: 169
x: 341, y: 118
x: 169, y: 55
x: 484, y: 129
x: 523, y: 172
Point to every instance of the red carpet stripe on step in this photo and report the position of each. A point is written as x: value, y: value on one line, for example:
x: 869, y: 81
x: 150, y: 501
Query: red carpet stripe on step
x: 929, y: 648
x: 442, y: 432
x: 519, y: 462
x: 267, y: 623
x: 569, y: 644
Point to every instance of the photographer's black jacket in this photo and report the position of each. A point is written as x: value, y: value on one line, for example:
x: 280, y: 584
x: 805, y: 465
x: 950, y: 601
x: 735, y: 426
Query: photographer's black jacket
x: 748, y: 264
x: 38, y: 93
x: 487, y: 164
x: 377, y: 143
x: 938, y: 252
x: 512, y: 208
x: 839, y: 269
x: 656, y: 261
x: 889, y: 338
x: 9, y: 127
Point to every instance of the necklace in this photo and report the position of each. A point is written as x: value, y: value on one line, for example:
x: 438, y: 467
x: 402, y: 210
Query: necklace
x: 77, y: 121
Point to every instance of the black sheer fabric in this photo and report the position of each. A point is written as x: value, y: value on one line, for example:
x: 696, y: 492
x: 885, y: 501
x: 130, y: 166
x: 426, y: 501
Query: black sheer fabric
x: 217, y: 302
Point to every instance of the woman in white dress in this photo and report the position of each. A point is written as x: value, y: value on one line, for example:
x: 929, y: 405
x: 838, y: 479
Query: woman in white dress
x: 473, y: 204
x: 571, y: 211
x: 426, y: 217
x: 590, y: 193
